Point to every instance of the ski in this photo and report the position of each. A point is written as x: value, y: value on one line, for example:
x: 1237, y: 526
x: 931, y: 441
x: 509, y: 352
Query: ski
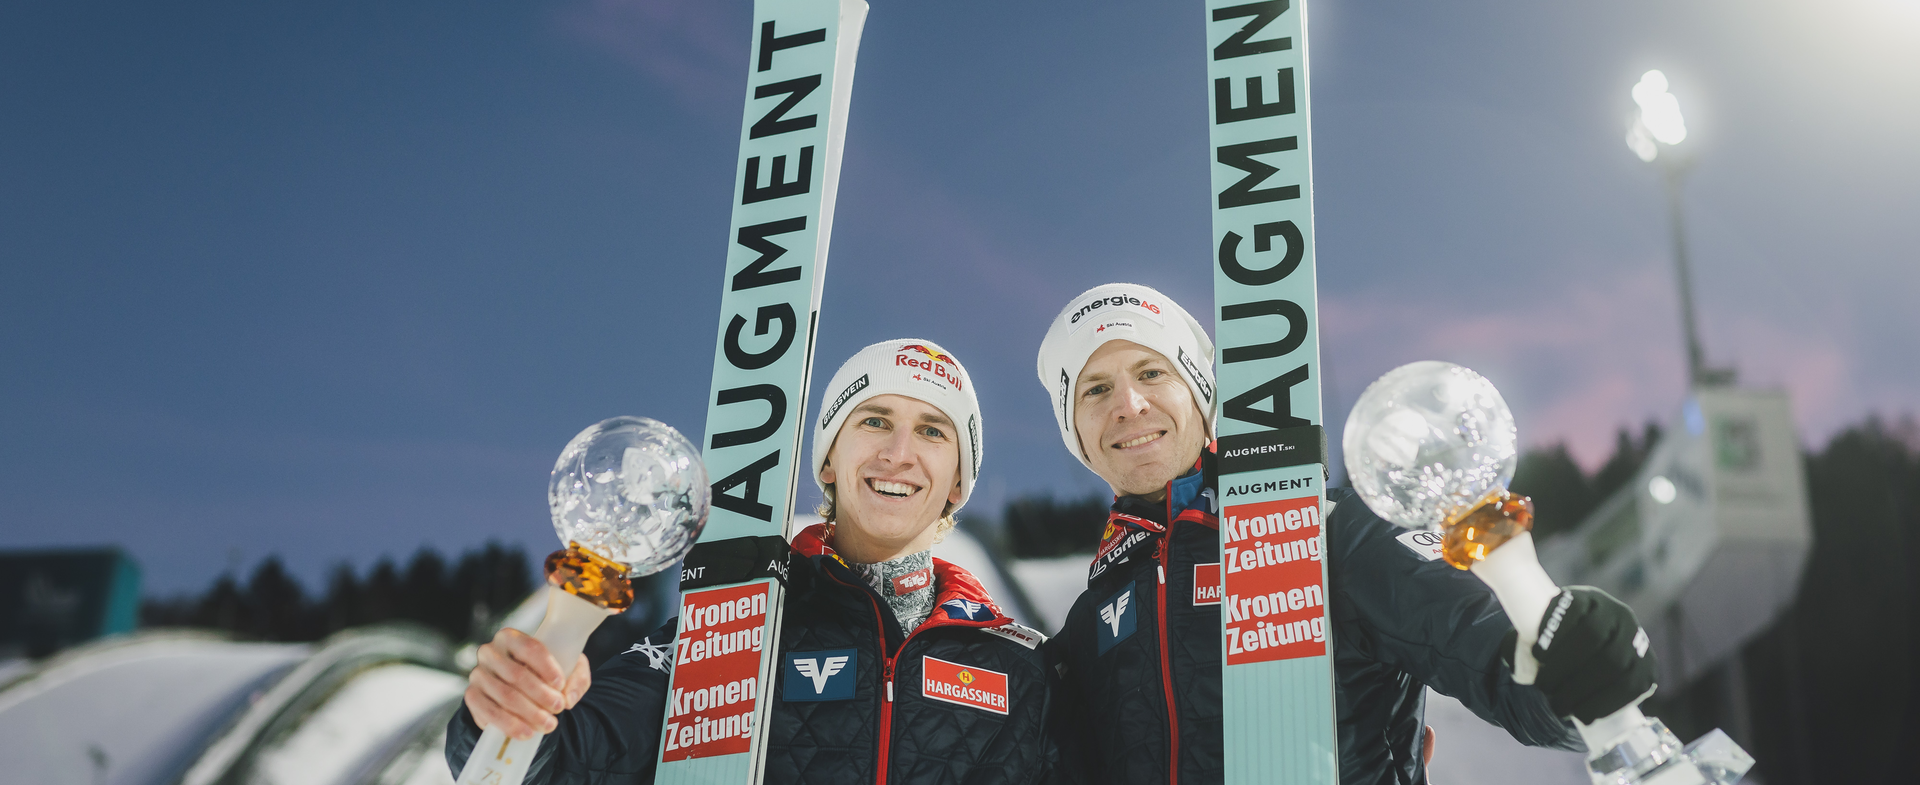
x: 1278, y: 691
x: 799, y: 80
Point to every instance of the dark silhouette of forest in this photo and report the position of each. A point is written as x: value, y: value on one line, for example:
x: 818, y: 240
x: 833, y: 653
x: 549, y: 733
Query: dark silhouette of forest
x: 461, y: 600
x: 1831, y: 692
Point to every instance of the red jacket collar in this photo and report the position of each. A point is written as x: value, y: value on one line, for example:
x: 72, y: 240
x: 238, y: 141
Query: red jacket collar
x: 959, y: 598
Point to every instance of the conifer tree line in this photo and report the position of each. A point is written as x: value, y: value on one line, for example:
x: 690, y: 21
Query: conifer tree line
x: 461, y: 601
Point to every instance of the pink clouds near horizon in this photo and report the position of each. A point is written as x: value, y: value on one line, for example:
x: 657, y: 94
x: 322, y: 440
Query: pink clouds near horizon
x: 1603, y: 354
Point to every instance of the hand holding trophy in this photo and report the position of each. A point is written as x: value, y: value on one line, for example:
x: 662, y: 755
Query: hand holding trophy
x: 629, y: 497
x: 1432, y: 446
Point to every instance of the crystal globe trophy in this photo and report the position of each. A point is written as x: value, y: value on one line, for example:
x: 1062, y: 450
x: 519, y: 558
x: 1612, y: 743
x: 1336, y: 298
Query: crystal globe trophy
x: 1432, y: 446
x: 629, y: 497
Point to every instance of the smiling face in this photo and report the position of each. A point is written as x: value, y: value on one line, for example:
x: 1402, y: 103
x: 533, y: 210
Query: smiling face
x: 1138, y: 424
x: 894, y: 467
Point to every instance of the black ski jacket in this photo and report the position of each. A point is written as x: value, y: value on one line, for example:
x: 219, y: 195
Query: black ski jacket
x: 901, y: 713
x: 1142, y: 660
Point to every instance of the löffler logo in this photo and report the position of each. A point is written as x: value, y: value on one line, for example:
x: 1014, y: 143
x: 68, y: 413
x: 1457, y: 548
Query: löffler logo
x: 963, y: 684
x: 716, y: 667
x: 1275, y: 605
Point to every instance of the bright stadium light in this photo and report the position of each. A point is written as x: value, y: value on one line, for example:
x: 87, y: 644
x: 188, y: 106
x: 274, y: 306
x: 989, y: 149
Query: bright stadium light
x: 1659, y: 121
x: 1658, y: 125
x: 1662, y: 489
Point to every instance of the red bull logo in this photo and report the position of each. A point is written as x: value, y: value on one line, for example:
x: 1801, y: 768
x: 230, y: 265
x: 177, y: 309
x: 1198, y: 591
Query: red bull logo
x: 938, y: 364
x: 941, y: 356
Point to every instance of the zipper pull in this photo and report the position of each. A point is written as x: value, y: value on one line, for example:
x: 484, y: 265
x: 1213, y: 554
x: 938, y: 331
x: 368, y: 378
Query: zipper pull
x: 1163, y: 573
x: 889, y: 690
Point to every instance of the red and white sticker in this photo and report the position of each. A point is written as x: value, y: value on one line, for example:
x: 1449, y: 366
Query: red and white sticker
x: 963, y: 684
x: 912, y: 582
x: 1275, y: 606
x: 715, y: 673
x: 1206, y: 584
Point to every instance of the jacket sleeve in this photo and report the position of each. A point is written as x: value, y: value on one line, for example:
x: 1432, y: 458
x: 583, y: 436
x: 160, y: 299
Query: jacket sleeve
x: 612, y: 733
x: 1441, y: 625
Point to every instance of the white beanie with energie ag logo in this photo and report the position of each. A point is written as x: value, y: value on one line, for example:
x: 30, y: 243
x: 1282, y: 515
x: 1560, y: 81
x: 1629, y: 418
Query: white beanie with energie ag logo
x: 913, y: 368
x: 1122, y: 312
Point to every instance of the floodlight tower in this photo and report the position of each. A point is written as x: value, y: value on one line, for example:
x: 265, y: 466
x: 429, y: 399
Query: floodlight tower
x: 1658, y: 128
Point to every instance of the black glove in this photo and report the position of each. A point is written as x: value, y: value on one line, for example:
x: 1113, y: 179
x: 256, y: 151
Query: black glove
x: 1594, y: 658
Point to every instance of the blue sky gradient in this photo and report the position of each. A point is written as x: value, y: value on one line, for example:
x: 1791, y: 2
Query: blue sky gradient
x: 339, y: 280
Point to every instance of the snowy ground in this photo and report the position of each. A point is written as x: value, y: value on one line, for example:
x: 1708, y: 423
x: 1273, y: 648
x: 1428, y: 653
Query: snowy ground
x: 1468, y: 751
x: 1052, y: 585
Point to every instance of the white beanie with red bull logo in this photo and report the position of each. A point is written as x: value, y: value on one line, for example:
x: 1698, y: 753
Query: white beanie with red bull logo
x: 913, y: 368
x: 1122, y: 312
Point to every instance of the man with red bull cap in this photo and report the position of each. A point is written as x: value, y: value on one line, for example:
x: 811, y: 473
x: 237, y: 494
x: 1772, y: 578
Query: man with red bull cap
x: 1129, y: 376
x: 894, y: 666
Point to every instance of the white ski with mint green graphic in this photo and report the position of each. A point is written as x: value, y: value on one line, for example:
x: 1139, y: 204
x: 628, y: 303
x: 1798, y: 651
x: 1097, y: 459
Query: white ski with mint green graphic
x: 1276, y: 633
x: 799, y: 80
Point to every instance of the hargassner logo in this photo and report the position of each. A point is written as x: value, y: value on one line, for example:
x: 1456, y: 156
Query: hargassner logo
x: 820, y: 675
x: 841, y: 400
x: 1206, y: 584
x: 962, y: 684
x: 1118, y: 619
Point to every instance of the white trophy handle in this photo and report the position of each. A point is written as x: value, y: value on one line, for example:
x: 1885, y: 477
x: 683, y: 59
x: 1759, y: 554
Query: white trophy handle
x: 1525, y: 590
x: 1514, y: 573
x: 500, y: 760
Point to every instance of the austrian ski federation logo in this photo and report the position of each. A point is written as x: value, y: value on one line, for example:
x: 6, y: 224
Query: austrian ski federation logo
x: 1118, y: 619
x: 966, y: 610
x: 820, y: 675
